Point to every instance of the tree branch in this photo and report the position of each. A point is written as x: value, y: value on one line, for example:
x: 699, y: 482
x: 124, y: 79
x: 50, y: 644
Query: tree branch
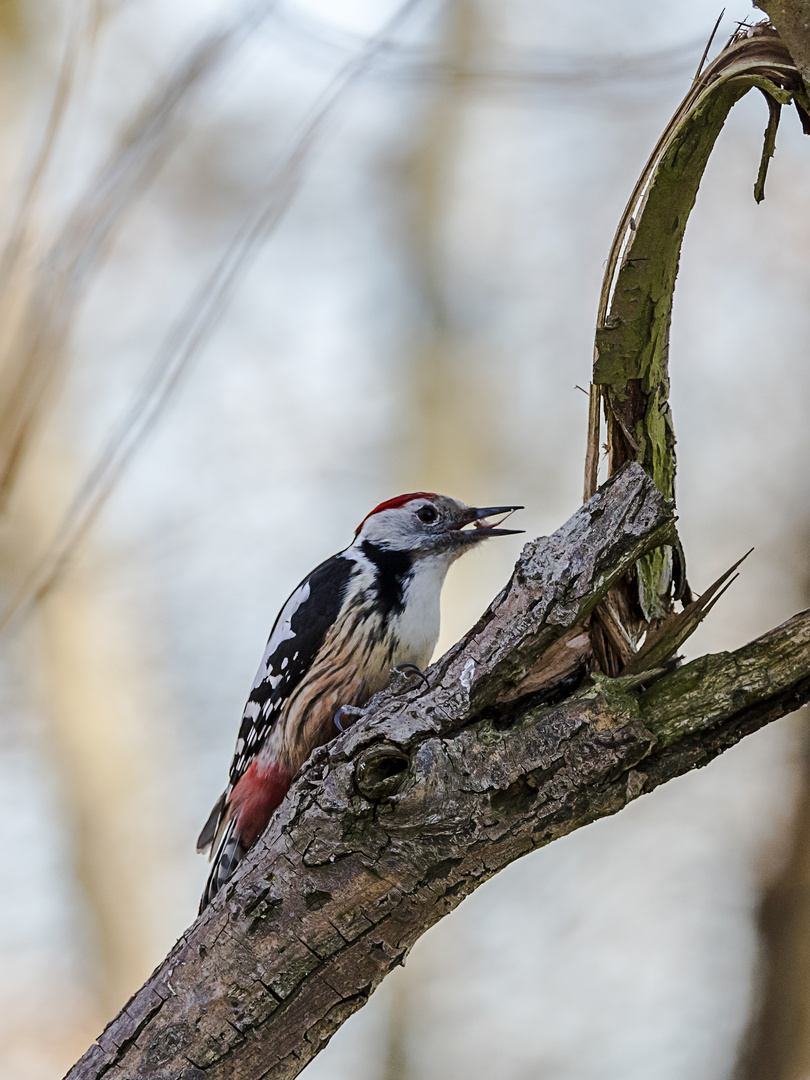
x: 431, y: 793
x: 631, y: 354
x: 792, y: 19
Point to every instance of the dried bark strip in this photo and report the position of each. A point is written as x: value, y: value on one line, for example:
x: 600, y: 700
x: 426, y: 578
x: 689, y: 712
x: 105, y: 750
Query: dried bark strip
x: 430, y: 794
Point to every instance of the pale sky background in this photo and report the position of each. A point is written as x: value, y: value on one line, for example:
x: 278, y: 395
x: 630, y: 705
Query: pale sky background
x: 387, y: 340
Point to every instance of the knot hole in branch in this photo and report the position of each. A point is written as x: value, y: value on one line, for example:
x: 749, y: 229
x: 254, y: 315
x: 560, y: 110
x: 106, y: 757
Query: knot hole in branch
x: 381, y: 771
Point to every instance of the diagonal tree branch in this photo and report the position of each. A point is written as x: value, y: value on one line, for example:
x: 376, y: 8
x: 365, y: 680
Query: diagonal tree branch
x: 431, y: 792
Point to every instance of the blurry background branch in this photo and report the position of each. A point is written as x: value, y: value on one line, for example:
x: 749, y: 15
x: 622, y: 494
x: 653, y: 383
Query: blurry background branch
x: 41, y: 299
x: 142, y: 152
x: 777, y: 1043
x: 508, y: 70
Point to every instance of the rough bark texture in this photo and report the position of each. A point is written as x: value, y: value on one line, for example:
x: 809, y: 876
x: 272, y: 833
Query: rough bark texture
x: 432, y: 792
x: 792, y: 19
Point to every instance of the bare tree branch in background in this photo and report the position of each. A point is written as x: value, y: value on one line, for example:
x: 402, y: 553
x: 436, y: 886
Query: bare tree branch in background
x: 507, y: 70
x: 206, y: 307
x: 99, y: 725
x: 19, y: 239
x: 105, y: 715
x: 45, y: 300
x: 449, y: 405
x: 87, y: 661
x: 777, y: 1044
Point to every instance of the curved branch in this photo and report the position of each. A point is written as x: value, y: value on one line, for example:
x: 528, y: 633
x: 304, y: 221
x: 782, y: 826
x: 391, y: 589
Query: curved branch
x: 631, y: 356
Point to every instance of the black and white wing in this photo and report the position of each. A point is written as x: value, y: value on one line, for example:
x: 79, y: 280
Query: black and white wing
x: 295, y: 640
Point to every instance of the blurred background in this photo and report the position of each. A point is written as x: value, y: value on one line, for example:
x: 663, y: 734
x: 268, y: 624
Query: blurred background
x: 265, y: 265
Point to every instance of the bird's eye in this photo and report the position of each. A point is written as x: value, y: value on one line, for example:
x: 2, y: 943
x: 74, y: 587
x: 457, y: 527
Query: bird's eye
x: 427, y: 514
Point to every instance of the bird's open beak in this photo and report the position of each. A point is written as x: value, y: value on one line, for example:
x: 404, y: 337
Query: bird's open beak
x: 476, y: 516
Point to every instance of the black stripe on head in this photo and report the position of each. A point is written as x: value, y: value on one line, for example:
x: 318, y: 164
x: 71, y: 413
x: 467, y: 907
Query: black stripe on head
x: 394, y: 568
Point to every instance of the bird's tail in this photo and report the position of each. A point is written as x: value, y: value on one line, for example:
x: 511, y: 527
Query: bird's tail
x: 230, y: 852
x: 238, y: 819
x: 208, y: 836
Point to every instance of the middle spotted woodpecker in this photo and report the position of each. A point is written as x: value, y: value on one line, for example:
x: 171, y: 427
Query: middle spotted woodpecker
x: 371, y: 608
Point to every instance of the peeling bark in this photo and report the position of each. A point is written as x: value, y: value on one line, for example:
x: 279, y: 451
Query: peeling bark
x: 432, y: 792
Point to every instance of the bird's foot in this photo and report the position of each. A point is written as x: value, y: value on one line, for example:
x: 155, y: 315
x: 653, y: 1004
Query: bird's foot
x: 412, y: 671
x: 346, y: 716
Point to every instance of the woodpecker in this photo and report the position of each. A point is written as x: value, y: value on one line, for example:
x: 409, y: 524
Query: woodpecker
x: 369, y: 609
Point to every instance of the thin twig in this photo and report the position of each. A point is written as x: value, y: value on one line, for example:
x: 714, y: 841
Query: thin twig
x: 192, y: 330
x: 708, y: 46
x: 65, y: 80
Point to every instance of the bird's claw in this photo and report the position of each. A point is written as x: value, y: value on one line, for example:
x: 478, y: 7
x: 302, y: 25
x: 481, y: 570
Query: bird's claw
x: 413, y: 670
x: 350, y: 712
